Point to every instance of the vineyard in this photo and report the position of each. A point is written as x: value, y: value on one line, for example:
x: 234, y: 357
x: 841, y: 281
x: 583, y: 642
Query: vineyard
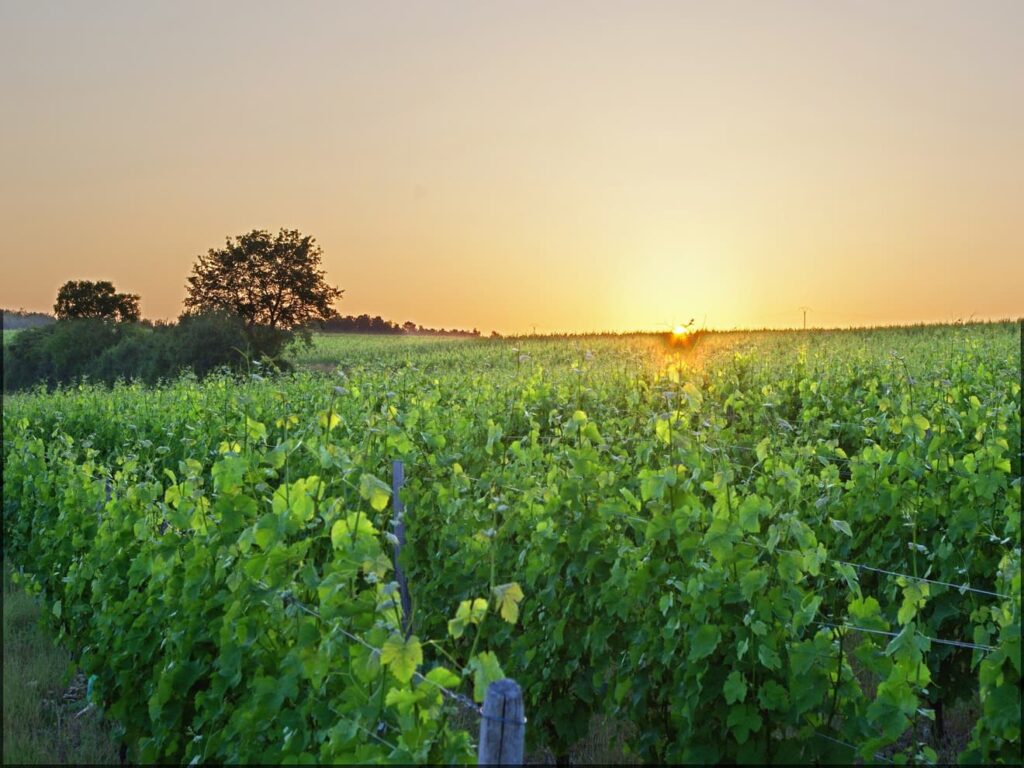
x: 764, y: 547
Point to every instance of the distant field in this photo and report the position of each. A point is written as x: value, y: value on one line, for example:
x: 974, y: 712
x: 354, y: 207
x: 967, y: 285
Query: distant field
x: 789, y: 547
x: 336, y: 348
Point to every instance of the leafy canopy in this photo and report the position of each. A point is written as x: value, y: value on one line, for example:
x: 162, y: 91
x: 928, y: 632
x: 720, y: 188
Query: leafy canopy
x: 85, y: 298
x: 270, y: 281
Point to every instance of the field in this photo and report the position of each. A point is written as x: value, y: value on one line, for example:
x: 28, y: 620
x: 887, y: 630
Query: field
x: 755, y: 547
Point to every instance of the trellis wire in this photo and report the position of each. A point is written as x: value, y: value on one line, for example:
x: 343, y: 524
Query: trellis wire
x: 877, y: 756
x: 965, y: 587
x: 961, y: 587
x: 288, y: 596
x: 939, y: 640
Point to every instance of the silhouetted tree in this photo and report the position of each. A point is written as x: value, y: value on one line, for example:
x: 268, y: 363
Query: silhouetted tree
x: 85, y: 298
x: 272, y: 282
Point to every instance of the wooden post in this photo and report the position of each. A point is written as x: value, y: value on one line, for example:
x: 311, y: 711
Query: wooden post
x: 502, y: 725
x: 398, y: 513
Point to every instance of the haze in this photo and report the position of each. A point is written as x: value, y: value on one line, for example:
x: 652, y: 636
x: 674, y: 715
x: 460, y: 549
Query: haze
x: 564, y: 166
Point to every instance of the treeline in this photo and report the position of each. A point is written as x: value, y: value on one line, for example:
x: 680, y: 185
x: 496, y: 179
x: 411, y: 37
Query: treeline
x: 99, y: 349
x: 377, y: 324
x: 17, y: 319
x: 246, y: 301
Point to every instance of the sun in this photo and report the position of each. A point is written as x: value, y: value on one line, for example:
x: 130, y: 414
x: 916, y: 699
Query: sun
x: 679, y: 331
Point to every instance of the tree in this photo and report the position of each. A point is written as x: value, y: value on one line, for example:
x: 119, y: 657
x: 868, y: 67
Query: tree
x: 84, y: 298
x: 272, y: 282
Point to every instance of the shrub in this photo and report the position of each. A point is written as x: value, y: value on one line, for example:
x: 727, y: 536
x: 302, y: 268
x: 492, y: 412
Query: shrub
x: 106, y: 351
x: 202, y: 343
x: 57, y: 353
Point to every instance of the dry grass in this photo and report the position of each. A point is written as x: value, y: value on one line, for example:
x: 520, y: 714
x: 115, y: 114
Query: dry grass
x: 46, y: 717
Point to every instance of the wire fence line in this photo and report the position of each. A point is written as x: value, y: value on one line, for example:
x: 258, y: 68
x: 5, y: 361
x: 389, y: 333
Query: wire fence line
x: 887, y: 633
x: 289, y: 598
x: 963, y: 587
x: 941, y: 641
x: 466, y: 702
x: 877, y: 755
x: 960, y: 587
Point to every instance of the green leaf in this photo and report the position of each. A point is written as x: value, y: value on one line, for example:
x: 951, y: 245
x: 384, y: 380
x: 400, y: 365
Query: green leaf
x: 402, y: 656
x: 750, y: 511
x: 772, y: 696
x: 486, y: 670
x: 265, y: 532
x: 342, y: 530
x: 593, y: 435
x: 735, y: 688
x: 752, y: 582
x: 914, y: 598
x: 509, y: 596
x: 841, y: 525
x: 768, y: 656
x: 329, y: 419
x: 443, y: 677
x: 866, y: 612
x: 374, y: 491
x: 402, y: 699
x: 703, y: 641
x: 297, y: 499
x: 469, y: 612
x: 743, y: 719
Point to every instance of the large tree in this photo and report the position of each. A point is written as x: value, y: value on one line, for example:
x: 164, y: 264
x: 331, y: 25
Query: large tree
x: 85, y: 298
x: 273, y: 282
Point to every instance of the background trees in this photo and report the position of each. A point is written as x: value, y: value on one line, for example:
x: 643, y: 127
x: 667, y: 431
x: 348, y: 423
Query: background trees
x: 85, y: 298
x: 273, y: 283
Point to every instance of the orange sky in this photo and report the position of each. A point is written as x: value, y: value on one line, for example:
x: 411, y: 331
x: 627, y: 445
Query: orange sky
x: 569, y: 166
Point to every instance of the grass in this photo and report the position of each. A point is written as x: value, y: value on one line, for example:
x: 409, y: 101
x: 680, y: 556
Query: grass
x: 46, y: 717
x: 329, y: 350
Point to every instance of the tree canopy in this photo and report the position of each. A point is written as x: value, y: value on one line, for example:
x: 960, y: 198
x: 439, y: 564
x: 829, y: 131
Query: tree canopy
x: 270, y: 281
x: 85, y: 298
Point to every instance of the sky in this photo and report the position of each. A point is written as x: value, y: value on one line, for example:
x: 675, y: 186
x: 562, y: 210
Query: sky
x: 558, y: 166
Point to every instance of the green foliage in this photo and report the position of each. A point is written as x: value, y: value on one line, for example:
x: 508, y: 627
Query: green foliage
x: 105, y: 351
x: 624, y: 531
x: 99, y: 300
x: 17, y: 319
x: 222, y: 612
x: 272, y: 283
x: 59, y: 352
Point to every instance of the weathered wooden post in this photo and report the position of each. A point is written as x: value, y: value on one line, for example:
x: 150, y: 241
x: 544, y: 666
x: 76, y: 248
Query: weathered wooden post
x: 398, y: 513
x: 502, y: 725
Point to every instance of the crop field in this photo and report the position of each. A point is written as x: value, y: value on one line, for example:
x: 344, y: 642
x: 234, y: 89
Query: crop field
x: 756, y: 547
